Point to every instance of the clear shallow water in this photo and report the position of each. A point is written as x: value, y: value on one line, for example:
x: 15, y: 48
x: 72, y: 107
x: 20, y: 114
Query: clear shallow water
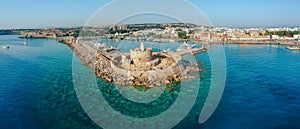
x: 36, y: 89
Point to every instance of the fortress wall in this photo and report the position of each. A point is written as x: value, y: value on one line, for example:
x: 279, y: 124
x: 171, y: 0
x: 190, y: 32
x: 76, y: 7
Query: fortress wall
x: 125, y: 62
x: 133, y: 53
x: 147, y: 55
x: 153, y: 63
x: 118, y: 70
x: 177, y: 58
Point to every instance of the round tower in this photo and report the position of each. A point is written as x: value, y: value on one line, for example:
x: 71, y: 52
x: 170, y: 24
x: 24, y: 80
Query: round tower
x: 140, y: 55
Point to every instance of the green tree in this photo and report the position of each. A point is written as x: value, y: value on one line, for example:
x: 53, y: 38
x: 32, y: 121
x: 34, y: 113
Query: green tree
x: 182, y: 35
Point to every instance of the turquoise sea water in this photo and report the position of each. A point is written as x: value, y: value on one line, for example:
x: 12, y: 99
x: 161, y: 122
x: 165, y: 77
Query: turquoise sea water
x: 36, y: 88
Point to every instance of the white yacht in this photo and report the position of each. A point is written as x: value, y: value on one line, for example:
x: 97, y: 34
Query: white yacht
x: 296, y: 46
x: 293, y: 47
x: 5, y: 47
x: 185, y: 46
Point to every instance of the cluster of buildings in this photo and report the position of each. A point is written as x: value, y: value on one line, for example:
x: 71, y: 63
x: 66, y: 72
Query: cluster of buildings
x: 120, y: 27
x: 173, y: 32
x: 214, y: 34
x: 48, y: 32
x: 260, y: 34
x: 41, y: 34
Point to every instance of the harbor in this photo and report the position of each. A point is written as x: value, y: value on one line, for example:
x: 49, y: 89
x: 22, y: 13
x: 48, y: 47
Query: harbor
x: 42, y: 80
x: 149, y: 64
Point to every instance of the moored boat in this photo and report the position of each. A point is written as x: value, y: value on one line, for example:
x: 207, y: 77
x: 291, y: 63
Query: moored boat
x: 185, y: 46
x: 293, y: 47
x: 5, y: 47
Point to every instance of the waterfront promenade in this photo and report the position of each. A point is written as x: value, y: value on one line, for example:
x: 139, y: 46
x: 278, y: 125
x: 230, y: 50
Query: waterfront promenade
x: 261, y: 42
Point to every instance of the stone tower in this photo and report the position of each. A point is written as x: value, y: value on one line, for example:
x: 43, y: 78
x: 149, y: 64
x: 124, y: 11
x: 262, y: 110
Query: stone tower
x: 140, y: 55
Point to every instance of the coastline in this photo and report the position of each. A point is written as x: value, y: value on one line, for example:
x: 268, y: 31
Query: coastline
x: 163, y: 40
x: 198, y: 41
x: 281, y: 68
x: 264, y: 42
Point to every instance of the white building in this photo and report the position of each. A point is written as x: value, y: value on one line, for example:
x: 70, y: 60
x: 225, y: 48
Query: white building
x: 275, y: 37
x: 297, y: 36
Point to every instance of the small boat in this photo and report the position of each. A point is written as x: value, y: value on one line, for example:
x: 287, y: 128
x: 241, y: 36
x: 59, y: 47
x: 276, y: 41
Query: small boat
x: 293, y: 48
x: 5, y: 47
x: 166, y: 51
x: 185, y: 46
x: 25, y: 43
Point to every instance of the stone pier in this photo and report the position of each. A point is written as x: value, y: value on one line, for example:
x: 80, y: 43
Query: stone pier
x: 140, y: 67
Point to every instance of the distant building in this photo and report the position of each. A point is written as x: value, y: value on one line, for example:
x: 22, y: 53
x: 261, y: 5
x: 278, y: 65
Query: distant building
x: 254, y: 33
x: 288, y: 38
x: 296, y: 36
x: 210, y: 37
x: 119, y: 27
x: 275, y: 37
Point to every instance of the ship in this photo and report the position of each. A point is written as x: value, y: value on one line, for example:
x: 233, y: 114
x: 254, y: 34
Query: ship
x: 5, y: 47
x: 185, y: 46
x: 293, y: 47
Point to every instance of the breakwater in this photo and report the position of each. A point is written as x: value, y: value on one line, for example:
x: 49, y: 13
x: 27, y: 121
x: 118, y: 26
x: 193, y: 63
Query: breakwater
x: 140, y: 67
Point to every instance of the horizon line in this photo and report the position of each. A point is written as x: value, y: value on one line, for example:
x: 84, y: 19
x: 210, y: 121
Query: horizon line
x: 78, y: 26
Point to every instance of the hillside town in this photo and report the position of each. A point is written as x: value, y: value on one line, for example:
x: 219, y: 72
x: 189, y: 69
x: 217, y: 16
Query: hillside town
x: 169, y: 33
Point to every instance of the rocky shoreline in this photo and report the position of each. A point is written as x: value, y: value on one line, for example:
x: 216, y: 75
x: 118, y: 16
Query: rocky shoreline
x: 38, y: 36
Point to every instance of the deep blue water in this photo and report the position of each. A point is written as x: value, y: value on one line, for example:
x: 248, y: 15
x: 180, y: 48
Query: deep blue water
x: 36, y: 88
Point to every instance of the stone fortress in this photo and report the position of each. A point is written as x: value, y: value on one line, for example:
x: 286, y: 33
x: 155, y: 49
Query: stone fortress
x: 143, y: 59
x: 140, y: 67
x: 143, y: 67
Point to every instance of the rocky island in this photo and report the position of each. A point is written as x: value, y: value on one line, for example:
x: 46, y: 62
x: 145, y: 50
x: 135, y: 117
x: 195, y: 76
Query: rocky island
x: 140, y: 67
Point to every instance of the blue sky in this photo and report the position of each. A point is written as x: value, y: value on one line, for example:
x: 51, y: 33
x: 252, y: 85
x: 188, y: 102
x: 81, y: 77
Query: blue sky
x: 237, y: 13
x: 251, y: 12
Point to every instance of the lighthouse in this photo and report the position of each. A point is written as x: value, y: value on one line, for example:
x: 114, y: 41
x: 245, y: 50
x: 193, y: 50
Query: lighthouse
x: 142, y: 46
